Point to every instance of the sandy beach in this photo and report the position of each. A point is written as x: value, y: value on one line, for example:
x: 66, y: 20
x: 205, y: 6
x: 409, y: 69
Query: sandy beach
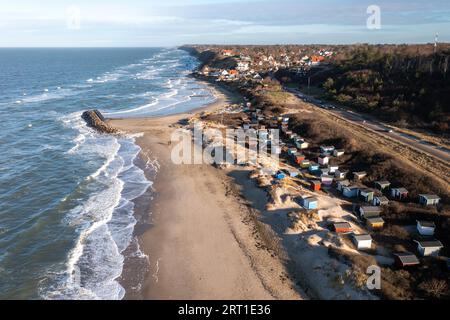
x: 201, y: 243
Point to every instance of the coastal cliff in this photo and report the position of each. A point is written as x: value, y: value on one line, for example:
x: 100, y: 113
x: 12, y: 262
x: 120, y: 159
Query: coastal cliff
x: 95, y: 120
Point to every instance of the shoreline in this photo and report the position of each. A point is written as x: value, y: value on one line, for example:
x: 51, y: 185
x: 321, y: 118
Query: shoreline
x: 198, y: 247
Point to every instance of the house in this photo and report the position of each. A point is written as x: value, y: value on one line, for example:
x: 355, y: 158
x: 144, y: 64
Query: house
x: 340, y: 174
x: 380, y: 201
x: 299, y: 158
x: 338, y: 152
x: 359, y: 175
x: 350, y: 191
x: 399, y: 193
x: 302, y: 144
x: 326, y: 149
x: 326, y: 180
x: 342, y: 227
x: 428, y: 199
x: 429, y: 247
x: 362, y: 241
x: 323, y: 160
x: 341, y: 184
x: 375, y: 223
x: 313, y: 167
x: 315, y: 185
x: 310, y: 203
x: 305, y: 164
x: 280, y: 175
x: 332, y: 168
x: 227, y: 53
x: 366, y: 194
x: 242, y: 66
x: 325, y: 171
x: 405, y: 259
x: 426, y: 228
x: 366, y: 212
x: 382, y: 185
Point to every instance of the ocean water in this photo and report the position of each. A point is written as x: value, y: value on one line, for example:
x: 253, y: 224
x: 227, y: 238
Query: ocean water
x: 66, y: 192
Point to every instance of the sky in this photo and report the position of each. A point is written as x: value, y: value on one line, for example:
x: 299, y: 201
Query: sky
x: 139, y: 23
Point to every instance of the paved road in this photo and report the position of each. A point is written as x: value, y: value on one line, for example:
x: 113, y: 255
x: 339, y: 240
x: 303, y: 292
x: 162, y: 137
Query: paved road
x: 439, y: 152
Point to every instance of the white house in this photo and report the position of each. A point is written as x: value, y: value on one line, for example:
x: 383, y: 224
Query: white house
x: 242, y: 66
x: 332, y: 168
x: 326, y: 149
x: 359, y: 175
x: 426, y: 228
x: 362, y: 241
x: 429, y: 248
x: 429, y: 199
x: 323, y: 160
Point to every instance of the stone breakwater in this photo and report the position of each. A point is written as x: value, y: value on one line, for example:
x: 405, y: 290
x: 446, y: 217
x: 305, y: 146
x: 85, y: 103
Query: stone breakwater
x: 95, y: 120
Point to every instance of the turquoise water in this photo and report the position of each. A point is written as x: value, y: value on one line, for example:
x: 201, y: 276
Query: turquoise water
x: 66, y: 210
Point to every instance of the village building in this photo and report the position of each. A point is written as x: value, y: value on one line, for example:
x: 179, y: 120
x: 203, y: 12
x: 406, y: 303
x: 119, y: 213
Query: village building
x: 280, y: 175
x: 426, y: 228
x: 305, y: 164
x: 429, y: 199
x: 399, y: 193
x: 332, y: 168
x: 405, y: 259
x: 366, y: 212
x: 299, y: 158
x: 292, y: 151
x: 342, y: 227
x: 375, y: 223
x: 429, y: 247
x: 293, y: 173
x: 362, y: 241
x: 382, y: 185
x: 380, y: 201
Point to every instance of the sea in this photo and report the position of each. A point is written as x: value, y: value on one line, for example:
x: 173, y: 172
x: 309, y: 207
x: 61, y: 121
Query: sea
x: 66, y: 192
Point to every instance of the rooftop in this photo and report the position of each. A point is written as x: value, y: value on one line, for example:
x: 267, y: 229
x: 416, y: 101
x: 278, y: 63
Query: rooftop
x: 407, y: 258
x: 430, y: 244
x: 362, y: 237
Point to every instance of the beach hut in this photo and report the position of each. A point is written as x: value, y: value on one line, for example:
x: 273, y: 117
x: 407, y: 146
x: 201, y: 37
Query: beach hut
x: 293, y: 173
x: 366, y: 194
x: 305, y: 164
x: 426, y: 228
x: 382, y: 185
x: 429, y: 247
x: 315, y: 185
x: 366, y: 212
x: 429, y: 199
x: 292, y: 151
x: 375, y: 223
x: 380, y: 201
x: 299, y: 158
x: 302, y: 144
x: 326, y: 180
x: 359, y: 175
x: 362, y: 241
x: 323, y: 160
x: 280, y: 175
x: 342, y: 227
x: 326, y: 149
x: 405, y: 259
x: 399, y: 193
x: 310, y: 203
x: 324, y: 171
x: 338, y: 152
x: 340, y: 174
x: 341, y: 184
x: 313, y: 167
x: 350, y: 191
x: 332, y: 168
